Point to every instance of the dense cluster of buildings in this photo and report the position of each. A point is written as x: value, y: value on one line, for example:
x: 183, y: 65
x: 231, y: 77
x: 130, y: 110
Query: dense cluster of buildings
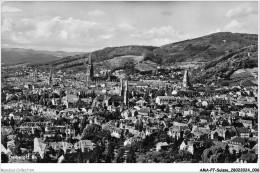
x: 55, y: 117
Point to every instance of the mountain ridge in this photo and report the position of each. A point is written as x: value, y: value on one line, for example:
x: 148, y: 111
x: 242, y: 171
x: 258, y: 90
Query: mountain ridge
x: 201, y: 49
x: 221, y: 53
x: 13, y: 56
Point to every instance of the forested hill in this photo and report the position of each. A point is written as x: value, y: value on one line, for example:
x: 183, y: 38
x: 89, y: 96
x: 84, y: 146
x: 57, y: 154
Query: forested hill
x: 203, y: 49
x: 206, y: 48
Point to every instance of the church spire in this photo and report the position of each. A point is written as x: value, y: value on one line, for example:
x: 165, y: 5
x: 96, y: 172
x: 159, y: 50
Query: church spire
x: 90, y: 63
x: 35, y: 74
x: 89, y: 68
x: 50, y: 76
x: 121, y: 87
x: 186, y: 80
x: 126, y: 93
x: 87, y: 73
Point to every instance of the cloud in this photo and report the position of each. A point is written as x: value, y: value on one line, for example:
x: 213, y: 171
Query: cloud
x: 8, y: 9
x: 96, y: 13
x: 108, y: 36
x: 126, y: 26
x: 166, y: 13
x: 241, y: 11
x: 215, y: 31
x: 161, y: 35
x: 64, y: 35
x: 233, y: 26
x: 55, y: 32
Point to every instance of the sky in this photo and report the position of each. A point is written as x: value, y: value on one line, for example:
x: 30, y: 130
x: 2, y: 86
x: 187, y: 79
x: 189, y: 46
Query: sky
x: 89, y: 26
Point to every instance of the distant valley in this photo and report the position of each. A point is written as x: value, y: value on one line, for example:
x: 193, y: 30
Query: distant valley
x: 13, y: 56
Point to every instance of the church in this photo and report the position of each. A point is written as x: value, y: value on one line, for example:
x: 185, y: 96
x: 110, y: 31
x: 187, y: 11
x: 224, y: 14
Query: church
x: 186, y: 84
x: 90, y: 74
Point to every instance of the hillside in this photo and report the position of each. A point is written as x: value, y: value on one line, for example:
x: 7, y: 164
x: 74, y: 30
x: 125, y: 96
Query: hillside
x: 107, y: 56
x: 220, y: 55
x: 230, y: 65
x: 202, y: 49
x: 12, y: 56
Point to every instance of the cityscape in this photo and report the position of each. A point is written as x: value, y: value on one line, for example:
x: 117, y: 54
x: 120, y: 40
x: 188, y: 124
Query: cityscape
x: 193, y: 100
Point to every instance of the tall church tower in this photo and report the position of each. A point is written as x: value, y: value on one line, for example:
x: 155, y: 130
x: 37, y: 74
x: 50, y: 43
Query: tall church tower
x: 186, y: 80
x: 87, y: 72
x: 90, y: 67
x: 121, y: 93
x: 35, y: 76
x: 126, y: 93
x: 50, y: 77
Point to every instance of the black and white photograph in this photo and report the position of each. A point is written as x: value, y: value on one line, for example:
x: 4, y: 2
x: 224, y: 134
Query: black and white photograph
x: 118, y: 82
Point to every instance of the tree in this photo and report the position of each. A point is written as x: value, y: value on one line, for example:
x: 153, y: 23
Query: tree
x: 37, y: 133
x: 96, y: 155
x: 183, y: 155
x: 80, y: 157
x: 214, y: 154
x: 187, y: 134
x: 227, y: 150
x: 206, y: 155
x: 91, y: 131
x: 109, y: 154
x: 4, y: 158
x: 46, y: 158
x: 162, y: 136
x: 36, y: 118
x: 17, y: 149
x: 160, y: 93
x: 4, y: 140
x: 225, y: 123
x: 119, y: 156
x: 103, y: 135
x: 149, y: 141
x: 128, y: 64
x: 249, y: 157
x: 83, y: 124
x: 60, y: 152
x: 131, y: 157
x: 12, y: 122
x: 146, y: 96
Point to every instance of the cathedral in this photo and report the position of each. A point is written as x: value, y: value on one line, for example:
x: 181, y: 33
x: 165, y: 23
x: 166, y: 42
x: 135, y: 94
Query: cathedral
x: 35, y: 75
x: 51, y: 77
x: 186, y: 80
x: 90, y: 70
x: 90, y: 74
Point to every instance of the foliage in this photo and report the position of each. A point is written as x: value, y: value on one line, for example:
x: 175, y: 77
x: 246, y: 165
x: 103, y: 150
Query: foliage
x: 91, y: 131
x: 17, y: 149
x: 83, y: 123
x: 202, y: 49
x: 109, y: 153
x: 131, y: 156
x: 4, y: 158
x: 119, y: 157
x: 80, y: 157
x: 96, y: 155
x: 214, y: 154
x: 4, y: 140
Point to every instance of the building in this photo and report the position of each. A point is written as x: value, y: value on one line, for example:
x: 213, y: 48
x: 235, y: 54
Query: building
x: 39, y: 146
x: 126, y: 93
x: 165, y: 99
x: 51, y: 77
x: 35, y: 75
x: 92, y: 78
x: 186, y: 81
x: 90, y: 69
